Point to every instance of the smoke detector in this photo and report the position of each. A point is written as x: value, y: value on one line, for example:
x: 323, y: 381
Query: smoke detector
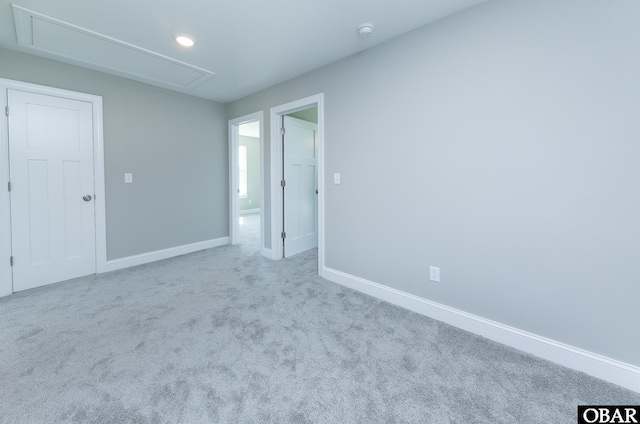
x: 365, y: 30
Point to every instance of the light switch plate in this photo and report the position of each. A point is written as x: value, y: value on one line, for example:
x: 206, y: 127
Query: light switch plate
x: 336, y: 178
x: 128, y: 178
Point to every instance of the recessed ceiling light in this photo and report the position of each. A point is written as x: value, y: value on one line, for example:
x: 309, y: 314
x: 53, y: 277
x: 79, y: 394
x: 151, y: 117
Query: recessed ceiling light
x: 185, y: 40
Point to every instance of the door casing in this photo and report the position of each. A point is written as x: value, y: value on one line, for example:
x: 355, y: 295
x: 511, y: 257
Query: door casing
x: 6, y: 278
x: 275, y: 145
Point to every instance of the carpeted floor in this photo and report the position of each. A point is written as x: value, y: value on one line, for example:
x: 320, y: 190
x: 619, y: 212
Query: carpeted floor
x: 226, y: 336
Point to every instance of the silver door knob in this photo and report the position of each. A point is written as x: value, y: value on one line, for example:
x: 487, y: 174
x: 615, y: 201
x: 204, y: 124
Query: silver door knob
x: 86, y: 197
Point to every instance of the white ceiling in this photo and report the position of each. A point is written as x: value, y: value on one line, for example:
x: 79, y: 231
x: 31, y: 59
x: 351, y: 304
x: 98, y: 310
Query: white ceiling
x: 250, y: 45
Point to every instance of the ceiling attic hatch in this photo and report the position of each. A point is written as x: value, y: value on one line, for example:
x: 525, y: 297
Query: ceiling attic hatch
x: 97, y: 51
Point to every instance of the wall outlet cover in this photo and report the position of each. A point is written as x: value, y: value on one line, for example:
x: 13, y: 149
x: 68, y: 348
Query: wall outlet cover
x: 434, y: 274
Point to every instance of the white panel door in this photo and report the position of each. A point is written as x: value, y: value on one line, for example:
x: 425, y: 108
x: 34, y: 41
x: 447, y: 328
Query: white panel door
x: 51, y: 168
x: 300, y: 192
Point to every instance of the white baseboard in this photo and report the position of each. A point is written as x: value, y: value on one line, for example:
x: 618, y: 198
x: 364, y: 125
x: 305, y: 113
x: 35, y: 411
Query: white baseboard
x: 248, y: 211
x: 267, y: 253
x: 164, y: 254
x: 590, y: 363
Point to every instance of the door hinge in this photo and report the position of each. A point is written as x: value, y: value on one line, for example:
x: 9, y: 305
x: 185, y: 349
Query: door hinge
x: 11, y: 260
x: 283, y: 235
x: 283, y: 183
x: 9, y: 186
x: 282, y: 131
x: 6, y: 110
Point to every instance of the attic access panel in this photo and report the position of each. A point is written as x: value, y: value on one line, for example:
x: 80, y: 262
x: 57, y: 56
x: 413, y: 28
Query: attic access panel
x: 59, y: 38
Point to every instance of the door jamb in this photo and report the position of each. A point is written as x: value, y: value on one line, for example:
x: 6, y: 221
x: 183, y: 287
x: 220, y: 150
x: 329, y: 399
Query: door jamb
x: 6, y: 277
x: 234, y: 142
x: 276, y: 115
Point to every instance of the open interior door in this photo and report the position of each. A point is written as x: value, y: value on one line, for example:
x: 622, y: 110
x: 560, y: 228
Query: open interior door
x: 300, y: 170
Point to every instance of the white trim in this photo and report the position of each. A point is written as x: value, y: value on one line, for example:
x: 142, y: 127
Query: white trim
x: 267, y: 253
x: 159, y: 255
x: 100, y: 189
x: 599, y: 366
x: 6, y: 286
x: 249, y: 211
x: 234, y: 137
x: 276, y: 173
x: 6, y: 278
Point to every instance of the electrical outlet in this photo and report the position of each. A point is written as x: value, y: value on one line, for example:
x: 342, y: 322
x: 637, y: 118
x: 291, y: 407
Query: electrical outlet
x: 434, y: 274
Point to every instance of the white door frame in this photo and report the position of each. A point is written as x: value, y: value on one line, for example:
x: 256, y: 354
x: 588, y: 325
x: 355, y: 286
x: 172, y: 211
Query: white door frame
x: 6, y: 279
x: 277, y: 113
x: 234, y: 173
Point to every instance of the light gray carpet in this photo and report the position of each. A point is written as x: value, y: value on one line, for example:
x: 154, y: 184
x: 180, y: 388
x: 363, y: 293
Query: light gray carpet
x: 226, y: 336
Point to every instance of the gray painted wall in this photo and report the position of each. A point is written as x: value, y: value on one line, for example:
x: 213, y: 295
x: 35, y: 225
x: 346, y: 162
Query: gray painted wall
x: 501, y: 145
x: 175, y: 145
x: 252, y: 201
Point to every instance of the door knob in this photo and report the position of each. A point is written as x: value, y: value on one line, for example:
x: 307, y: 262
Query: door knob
x: 86, y: 197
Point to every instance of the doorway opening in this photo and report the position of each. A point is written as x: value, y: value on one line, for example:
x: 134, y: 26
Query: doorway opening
x: 309, y: 108
x: 246, y: 182
x: 300, y: 176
